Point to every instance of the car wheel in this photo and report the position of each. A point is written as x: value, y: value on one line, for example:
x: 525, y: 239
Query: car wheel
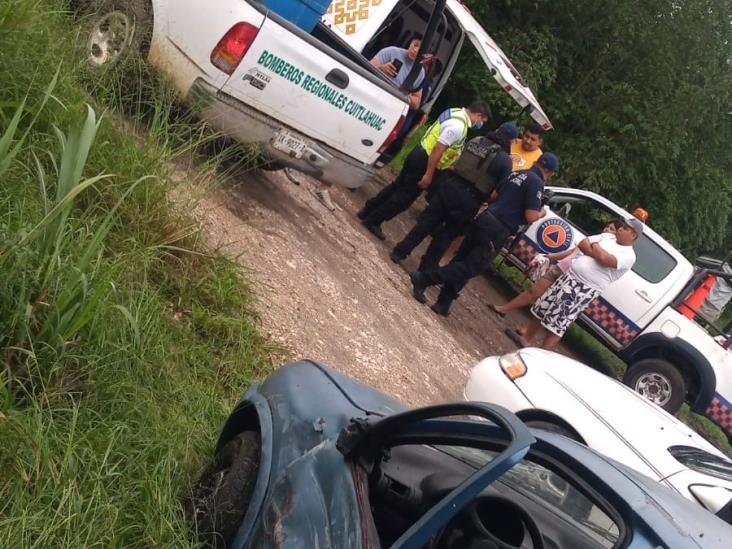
x: 552, y: 428
x: 658, y: 381
x: 112, y: 30
x: 221, y: 497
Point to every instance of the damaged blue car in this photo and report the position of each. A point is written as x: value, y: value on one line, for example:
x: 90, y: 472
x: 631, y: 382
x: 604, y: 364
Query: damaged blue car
x: 312, y: 458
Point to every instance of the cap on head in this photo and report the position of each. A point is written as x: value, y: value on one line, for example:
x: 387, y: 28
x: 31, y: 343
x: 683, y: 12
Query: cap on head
x: 635, y: 224
x: 549, y: 161
x: 509, y: 130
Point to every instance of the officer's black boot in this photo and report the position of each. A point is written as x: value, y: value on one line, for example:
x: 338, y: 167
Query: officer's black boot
x: 443, y: 303
x: 396, y: 257
x: 419, y: 285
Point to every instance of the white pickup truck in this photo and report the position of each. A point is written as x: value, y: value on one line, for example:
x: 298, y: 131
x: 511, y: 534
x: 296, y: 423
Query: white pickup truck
x: 311, y: 99
x: 671, y: 358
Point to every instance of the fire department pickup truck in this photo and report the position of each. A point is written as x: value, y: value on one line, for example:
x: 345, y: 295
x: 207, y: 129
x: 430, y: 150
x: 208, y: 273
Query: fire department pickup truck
x: 671, y: 358
x: 311, y: 99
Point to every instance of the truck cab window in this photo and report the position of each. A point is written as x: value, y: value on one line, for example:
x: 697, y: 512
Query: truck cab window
x: 653, y: 264
x: 587, y: 216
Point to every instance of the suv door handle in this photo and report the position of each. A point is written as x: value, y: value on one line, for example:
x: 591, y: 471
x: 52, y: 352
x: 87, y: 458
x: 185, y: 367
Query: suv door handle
x: 338, y: 78
x: 644, y: 296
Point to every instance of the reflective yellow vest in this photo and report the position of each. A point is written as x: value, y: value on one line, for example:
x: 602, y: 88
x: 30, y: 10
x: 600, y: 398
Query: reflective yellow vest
x: 430, y: 139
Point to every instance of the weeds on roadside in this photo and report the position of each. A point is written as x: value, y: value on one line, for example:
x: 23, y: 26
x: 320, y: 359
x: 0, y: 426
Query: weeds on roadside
x: 124, y: 342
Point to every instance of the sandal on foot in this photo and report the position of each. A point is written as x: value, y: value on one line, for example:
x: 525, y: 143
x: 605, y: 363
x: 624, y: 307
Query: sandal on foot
x: 492, y: 307
x: 514, y: 336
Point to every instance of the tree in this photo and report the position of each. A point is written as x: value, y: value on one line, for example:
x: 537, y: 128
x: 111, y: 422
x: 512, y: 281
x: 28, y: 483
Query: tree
x: 639, y: 94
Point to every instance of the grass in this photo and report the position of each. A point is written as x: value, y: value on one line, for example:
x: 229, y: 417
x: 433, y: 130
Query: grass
x: 124, y: 342
x: 397, y: 163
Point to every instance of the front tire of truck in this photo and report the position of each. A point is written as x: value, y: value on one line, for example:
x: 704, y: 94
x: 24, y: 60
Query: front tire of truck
x: 658, y: 381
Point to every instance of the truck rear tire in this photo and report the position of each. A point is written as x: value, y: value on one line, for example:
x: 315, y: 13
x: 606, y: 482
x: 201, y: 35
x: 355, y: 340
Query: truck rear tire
x: 658, y: 381
x: 112, y: 30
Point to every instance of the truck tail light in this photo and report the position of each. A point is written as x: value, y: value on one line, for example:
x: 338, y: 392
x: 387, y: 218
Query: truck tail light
x: 392, y: 136
x: 232, y: 48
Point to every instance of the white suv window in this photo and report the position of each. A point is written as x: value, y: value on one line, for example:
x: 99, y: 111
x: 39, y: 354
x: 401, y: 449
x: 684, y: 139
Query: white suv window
x: 703, y: 462
x: 652, y: 263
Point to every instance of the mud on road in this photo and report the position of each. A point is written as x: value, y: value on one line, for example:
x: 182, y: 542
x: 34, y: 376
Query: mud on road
x: 328, y: 291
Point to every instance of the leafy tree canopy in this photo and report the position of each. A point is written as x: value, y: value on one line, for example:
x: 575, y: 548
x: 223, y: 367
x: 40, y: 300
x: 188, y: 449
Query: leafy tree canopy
x: 639, y: 95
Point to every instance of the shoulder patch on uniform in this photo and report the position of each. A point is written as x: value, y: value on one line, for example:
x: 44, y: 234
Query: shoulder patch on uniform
x: 444, y: 115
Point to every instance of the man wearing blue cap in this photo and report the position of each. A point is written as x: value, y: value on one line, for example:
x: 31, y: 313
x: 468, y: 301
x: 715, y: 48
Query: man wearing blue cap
x: 457, y: 197
x: 516, y: 201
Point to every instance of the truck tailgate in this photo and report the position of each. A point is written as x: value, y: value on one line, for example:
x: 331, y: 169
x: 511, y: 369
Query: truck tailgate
x: 298, y: 81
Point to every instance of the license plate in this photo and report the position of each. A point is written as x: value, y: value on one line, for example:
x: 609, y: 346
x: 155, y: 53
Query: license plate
x: 292, y: 145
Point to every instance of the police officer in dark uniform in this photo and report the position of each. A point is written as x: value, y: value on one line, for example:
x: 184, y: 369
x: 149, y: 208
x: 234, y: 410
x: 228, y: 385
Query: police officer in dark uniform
x: 516, y: 201
x: 456, y: 197
x: 440, y: 147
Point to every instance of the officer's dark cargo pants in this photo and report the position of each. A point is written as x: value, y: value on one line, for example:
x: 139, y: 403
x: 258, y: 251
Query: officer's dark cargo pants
x: 482, y: 242
x: 451, y: 209
x: 398, y: 195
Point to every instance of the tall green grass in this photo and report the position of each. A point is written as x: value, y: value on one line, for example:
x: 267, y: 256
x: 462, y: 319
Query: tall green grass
x: 124, y: 342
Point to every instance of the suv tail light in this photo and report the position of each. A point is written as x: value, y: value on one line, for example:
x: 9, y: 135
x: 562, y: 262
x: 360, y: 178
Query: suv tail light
x: 392, y: 135
x: 232, y: 48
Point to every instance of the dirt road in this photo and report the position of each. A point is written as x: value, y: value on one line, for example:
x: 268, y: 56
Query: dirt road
x: 328, y: 290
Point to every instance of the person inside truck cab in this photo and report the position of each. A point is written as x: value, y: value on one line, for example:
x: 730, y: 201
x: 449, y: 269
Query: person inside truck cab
x: 439, y: 149
x: 603, y: 262
x: 432, y: 67
x: 397, y: 63
x: 527, y: 150
x: 516, y: 201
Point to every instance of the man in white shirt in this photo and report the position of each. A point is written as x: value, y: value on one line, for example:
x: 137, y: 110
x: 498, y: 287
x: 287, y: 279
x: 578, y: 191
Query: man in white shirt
x: 604, y: 261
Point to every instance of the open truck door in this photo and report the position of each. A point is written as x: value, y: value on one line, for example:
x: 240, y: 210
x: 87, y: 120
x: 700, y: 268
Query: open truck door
x: 360, y: 25
x: 498, y: 64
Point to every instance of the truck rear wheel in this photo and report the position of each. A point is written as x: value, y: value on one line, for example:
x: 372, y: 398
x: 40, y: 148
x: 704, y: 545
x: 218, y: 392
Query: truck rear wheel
x: 658, y: 381
x: 112, y: 30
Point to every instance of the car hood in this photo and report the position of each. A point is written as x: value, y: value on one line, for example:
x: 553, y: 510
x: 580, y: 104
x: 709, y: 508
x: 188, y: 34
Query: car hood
x: 608, y: 415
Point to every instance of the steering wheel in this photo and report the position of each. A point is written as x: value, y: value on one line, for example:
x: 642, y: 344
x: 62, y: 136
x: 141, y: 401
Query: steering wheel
x: 497, y: 508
